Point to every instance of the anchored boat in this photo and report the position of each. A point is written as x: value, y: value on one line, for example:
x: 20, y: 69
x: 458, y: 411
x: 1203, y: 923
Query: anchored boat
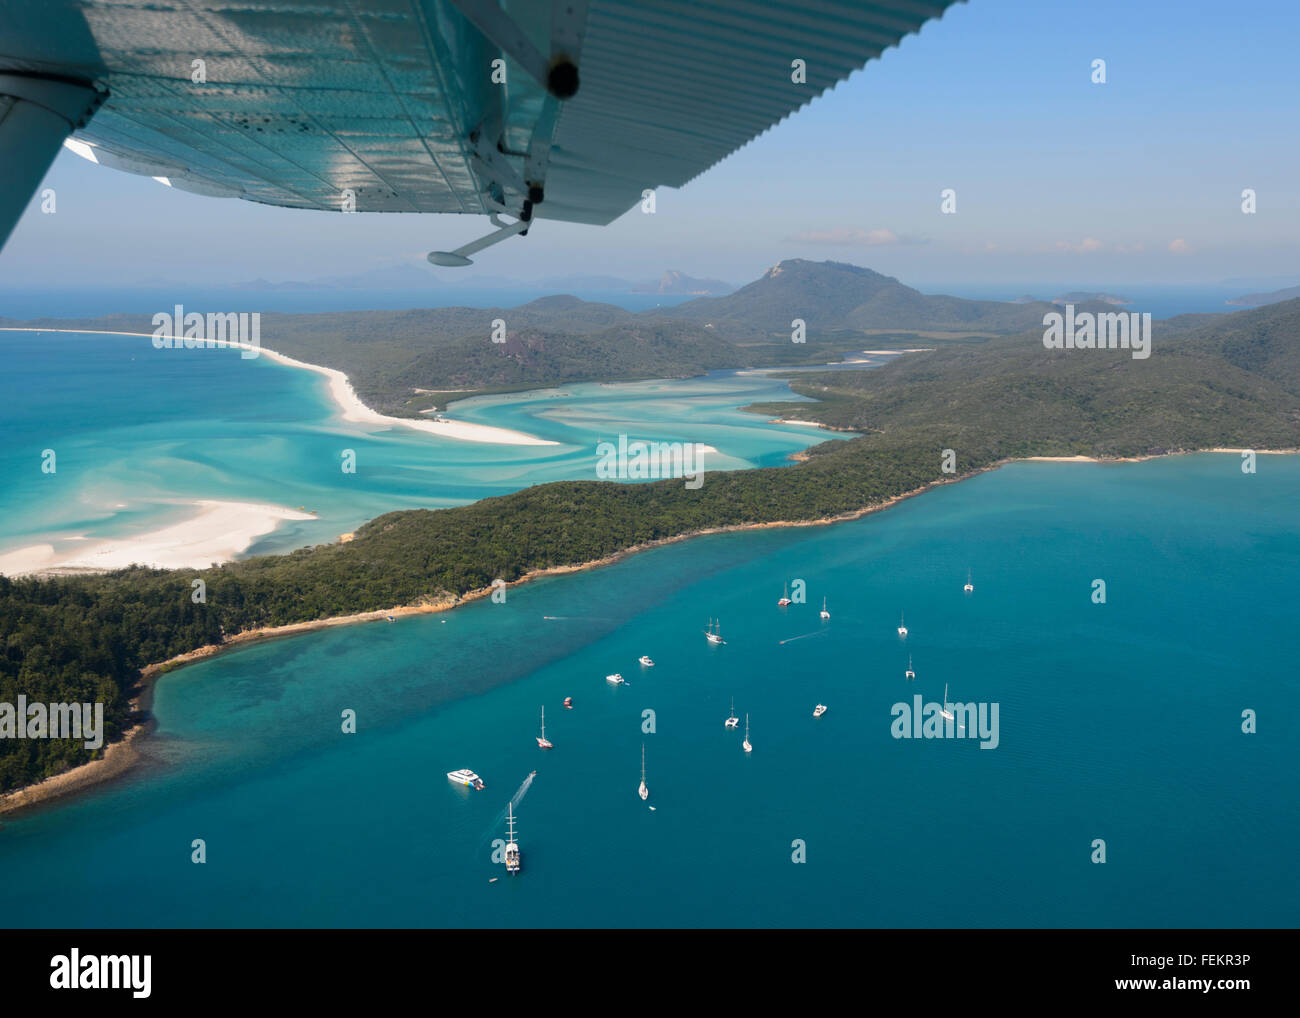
x: 465, y: 776
x: 642, y: 790
x: 714, y: 632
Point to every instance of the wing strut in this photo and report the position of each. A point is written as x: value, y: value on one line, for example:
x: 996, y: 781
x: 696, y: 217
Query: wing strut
x: 36, y: 114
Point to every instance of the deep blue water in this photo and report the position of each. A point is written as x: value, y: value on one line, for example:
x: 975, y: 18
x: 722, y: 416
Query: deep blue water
x: 1119, y: 721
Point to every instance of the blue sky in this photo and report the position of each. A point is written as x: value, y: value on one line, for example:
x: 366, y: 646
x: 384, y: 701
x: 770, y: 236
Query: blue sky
x: 1057, y: 179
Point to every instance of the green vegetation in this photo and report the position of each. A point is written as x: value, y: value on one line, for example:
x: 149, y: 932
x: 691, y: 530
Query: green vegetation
x: 1233, y: 382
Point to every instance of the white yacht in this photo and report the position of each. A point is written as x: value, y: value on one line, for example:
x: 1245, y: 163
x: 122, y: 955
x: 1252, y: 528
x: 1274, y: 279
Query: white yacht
x: 465, y: 776
x: 909, y: 674
x: 946, y: 713
x: 819, y: 710
x: 615, y: 680
x: 970, y: 587
x: 732, y: 721
x: 825, y: 613
x: 745, y: 745
x: 902, y: 629
x: 645, y: 662
x: 641, y: 789
x: 512, y: 846
x: 714, y: 633
x: 542, y: 741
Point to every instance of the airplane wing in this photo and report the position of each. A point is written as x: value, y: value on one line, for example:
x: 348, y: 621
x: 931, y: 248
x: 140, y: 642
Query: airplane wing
x: 554, y: 109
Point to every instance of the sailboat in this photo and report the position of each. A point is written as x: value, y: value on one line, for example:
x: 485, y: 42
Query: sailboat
x: 642, y: 790
x: 732, y: 721
x: 785, y: 598
x: 970, y: 587
x: 946, y: 713
x: 745, y: 745
x: 825, y: 613
x: 512, y: 846
x: 714, y: 632
x: 902, y: 629
x: 542, y: 740
x: 909, y: 674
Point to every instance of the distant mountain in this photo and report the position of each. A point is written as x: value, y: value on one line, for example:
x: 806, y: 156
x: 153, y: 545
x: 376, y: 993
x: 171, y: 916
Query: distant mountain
x: 1255, y: 300
x: 674, y: 281
x: 833, y: 296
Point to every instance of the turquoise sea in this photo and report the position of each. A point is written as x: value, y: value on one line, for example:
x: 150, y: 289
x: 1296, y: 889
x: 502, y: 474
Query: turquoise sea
x: 1119, y: 721
x: 140, y: 434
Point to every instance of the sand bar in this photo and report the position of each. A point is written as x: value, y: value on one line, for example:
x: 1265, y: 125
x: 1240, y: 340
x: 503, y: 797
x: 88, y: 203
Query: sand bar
x: 216, y: 533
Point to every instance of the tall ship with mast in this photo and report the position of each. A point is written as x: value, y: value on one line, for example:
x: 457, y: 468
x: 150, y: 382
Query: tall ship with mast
x: 542, y: 741
x: 641, y: 789
x: 512, y: 843
x: 713, y: 633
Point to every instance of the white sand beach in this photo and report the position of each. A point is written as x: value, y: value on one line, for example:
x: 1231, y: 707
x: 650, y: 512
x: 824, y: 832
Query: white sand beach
x: 216, y: 533
x: 353, y: 409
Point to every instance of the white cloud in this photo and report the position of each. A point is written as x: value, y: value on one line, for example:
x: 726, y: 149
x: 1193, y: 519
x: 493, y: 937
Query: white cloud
x: 1085, y: 246
x: 1180, y: 246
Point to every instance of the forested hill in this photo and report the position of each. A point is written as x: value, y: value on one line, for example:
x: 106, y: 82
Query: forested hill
x: 1234, y: 383
x: 834, y: 296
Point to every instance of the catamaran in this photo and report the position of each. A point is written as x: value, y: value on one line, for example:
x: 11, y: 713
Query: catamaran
x: 714, y: 632
x: 819, y: 710
x: 642, y: 790
x: 732, y: 721
x: 946, y: 713
x: 745, y: 745
x: 785, y: 598
x: 970, y: 587
x: 902, y: 629
x: 465, y: 776
x: 825, y: 613
x: 909, y: 674
x: 512, y: 846
x: 542, y: 740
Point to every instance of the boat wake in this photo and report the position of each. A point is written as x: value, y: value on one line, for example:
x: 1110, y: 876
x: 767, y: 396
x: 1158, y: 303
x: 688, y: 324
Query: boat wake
x: 523, y: 790
x: 494, y: 829
x: 820, y: 632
